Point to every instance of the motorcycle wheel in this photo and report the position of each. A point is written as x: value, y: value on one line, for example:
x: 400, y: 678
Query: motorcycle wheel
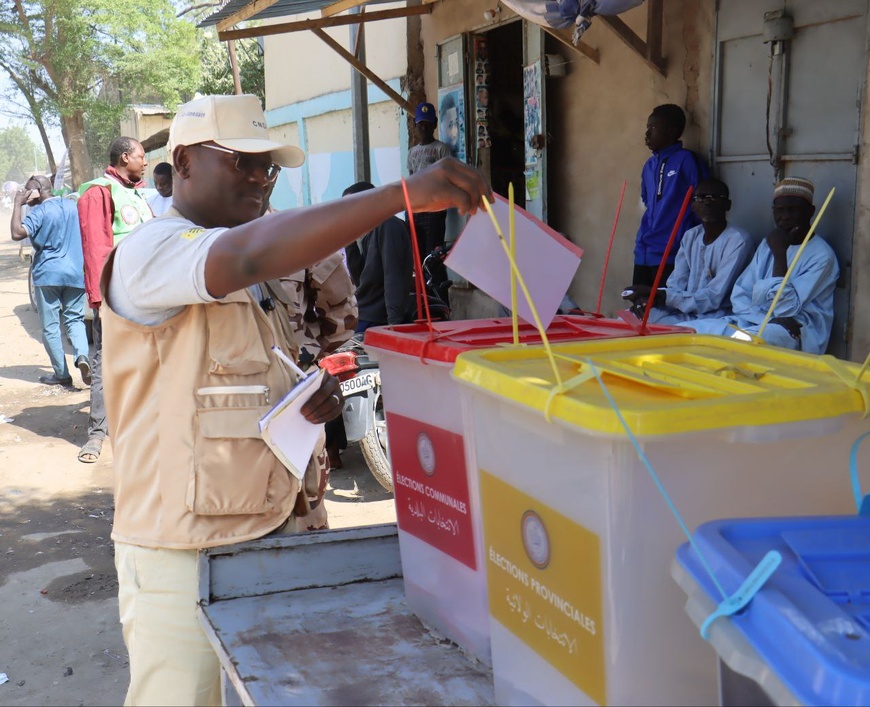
x: 374, y: 447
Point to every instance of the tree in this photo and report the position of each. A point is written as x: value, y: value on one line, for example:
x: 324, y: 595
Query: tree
x: 18, y: 155
x: 217, y: 75
x: 62, y: 55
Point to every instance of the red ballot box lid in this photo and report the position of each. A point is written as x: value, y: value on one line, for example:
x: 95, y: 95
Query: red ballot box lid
x: 446, y: 340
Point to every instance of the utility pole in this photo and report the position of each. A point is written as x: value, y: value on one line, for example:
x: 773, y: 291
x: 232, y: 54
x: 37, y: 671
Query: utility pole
x: 359, y: 102
x: 234, y: 67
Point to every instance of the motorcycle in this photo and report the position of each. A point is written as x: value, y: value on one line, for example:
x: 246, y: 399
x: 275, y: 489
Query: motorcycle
x: 363, y: 411
x: 359, y: 375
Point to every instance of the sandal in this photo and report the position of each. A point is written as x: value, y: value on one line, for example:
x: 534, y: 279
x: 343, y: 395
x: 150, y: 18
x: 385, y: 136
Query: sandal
x: 91, y: 450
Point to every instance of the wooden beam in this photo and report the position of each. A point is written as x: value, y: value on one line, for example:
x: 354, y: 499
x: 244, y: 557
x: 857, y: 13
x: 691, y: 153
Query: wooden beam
x: 341, y: 6
x: 360, y: 34
x: 655, y: 20
x: 244, y: 13
x: 564, y: 36
x: 317, y: 23
x: 363, y: 69
x: 635, y: 43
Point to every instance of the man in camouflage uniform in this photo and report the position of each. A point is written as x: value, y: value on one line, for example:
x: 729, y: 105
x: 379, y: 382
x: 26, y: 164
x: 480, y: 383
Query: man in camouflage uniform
x: 321, y: 305
x: 322, y: 308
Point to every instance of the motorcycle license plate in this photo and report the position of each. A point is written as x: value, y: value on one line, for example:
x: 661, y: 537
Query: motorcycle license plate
x: 357, y: 384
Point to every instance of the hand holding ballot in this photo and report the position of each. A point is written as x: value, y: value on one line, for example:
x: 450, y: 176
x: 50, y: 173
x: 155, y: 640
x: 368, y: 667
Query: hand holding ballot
x: 448, y: 184
x: 322, y: 405
x: 325, y: 403
x: 292, y: 427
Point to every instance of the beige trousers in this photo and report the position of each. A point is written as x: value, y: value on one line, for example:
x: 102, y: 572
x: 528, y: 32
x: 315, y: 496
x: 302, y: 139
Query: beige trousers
x: 171, y: 660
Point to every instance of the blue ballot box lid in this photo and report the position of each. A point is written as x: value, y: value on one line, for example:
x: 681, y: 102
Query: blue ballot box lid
x: 810, y: 623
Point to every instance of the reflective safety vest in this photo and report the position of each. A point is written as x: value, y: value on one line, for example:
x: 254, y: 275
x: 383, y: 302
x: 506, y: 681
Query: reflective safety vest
x: 131, y: 209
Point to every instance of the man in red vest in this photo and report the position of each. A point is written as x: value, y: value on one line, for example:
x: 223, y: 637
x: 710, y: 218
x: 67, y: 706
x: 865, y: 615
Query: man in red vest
x: 109, y: 208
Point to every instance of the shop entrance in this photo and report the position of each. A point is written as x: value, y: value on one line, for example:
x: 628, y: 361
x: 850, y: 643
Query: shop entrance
x: 498, y: 107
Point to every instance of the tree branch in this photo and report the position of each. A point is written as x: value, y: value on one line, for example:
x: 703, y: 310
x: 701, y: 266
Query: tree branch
x: 199, y: 6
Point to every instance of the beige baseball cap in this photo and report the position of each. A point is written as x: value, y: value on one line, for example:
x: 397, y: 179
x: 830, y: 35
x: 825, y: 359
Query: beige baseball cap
x: 234, y: 122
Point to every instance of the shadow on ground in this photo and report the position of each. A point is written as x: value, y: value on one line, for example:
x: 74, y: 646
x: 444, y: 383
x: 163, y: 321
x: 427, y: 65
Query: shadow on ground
x: 29, y: 319
x: 74, y: 425
x: 25, y: 373
x: 354, y: 481
x: 34, y: 533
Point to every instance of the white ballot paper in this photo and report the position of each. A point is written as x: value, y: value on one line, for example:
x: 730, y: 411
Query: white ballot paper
x: 547, y: 260
x: 289, y: 435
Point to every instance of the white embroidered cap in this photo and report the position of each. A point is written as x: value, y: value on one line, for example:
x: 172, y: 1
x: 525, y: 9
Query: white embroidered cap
x: 234, y: 122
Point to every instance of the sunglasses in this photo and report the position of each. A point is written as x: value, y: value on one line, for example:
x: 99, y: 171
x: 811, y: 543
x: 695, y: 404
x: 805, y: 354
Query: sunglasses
x: 248, y: 163
x: 709, y: 198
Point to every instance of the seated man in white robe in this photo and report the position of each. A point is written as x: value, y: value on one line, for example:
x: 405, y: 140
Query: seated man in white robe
x: 710, y: 258
x: 804, y: 313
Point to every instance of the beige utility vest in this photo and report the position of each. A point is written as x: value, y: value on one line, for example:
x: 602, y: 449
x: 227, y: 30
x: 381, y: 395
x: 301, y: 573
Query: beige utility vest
x: 183, y: 402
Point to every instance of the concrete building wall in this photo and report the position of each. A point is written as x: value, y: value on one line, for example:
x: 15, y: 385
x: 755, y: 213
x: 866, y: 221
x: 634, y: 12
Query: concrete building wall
x: 308, y: 103
x: 596, y: 117
x: 143, y: 125
x: 322, y: 128
x: 300, y: 66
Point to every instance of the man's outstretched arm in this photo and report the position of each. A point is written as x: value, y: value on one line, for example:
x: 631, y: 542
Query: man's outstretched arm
x: 286, y: 242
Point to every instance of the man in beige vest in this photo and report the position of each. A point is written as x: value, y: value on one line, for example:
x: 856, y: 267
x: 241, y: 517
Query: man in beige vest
x: 189, y: 371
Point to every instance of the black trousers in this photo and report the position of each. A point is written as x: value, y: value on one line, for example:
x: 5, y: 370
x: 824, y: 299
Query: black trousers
x: 430, y: 229
x: 646, y: 274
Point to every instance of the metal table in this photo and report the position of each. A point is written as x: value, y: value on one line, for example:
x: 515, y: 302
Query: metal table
x: 320, y: 619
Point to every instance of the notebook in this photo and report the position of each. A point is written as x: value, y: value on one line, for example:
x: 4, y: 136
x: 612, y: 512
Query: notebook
x: 289, y: 435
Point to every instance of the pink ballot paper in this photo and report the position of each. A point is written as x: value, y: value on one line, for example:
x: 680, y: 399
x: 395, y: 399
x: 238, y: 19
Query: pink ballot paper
x: 546, y: 260
x: 289, y: 435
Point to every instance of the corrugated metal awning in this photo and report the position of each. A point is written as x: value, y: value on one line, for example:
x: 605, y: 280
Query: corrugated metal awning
x: 279, y: 9
x: 263, y: 9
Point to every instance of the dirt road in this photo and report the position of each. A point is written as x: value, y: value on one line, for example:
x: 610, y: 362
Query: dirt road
x: 60, y: 640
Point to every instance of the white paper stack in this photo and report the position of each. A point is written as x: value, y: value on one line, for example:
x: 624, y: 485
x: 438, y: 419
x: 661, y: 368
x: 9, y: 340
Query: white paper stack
x: 289, y: 435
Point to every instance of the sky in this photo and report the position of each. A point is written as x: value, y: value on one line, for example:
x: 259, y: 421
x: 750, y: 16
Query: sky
x: 54, y: 135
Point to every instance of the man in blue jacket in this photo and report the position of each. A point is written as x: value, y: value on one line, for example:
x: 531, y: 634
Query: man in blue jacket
x: 666, y: 177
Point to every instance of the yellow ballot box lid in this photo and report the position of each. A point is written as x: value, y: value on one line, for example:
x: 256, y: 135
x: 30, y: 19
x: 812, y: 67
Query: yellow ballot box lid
x: 665, y: 385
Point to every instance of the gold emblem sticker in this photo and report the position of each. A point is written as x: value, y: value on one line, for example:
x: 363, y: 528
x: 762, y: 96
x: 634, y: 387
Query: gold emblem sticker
x: 192, y: 234
x: 426, y: 454
x: 536, y: 541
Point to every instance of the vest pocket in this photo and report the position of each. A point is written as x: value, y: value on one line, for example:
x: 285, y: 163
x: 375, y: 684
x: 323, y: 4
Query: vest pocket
x: 235, y: 344
x: 232, y: 465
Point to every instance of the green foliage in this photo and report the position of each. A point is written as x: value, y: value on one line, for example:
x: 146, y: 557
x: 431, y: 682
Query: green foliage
x: 16, y: 155
x: 217, y: 75
x: 102, y: 125
x: 160, y: 54
x: 63, y: 55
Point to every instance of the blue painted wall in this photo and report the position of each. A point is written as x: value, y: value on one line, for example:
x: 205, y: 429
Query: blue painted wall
x: 325, y: 175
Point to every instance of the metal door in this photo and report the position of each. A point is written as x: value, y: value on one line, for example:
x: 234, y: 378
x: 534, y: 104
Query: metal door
x: 793, y: 111
x: 534, y: 120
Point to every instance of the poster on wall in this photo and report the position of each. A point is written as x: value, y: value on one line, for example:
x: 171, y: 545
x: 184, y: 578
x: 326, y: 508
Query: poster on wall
x: 481, y: 91
x: 532, y: 110
x: 451, y: 119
